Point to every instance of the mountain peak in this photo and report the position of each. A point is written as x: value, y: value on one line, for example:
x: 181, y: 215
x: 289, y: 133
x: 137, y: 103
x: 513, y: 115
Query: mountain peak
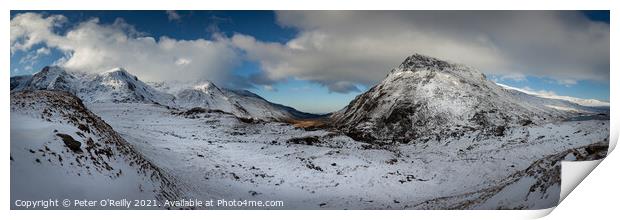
x: 116, y: 69
x: 206, y: 87
x: 52, y: 69
x: 119, y: 73
x: 419, y: 62
x: 51, y: 72
x: 51, y: 78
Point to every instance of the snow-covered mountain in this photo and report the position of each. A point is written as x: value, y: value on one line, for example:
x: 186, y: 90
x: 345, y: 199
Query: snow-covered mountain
x: 206, y: 95
x: 60, y: 149
x: 426, y: 98
x: 117, y: 85
x: 49, y: 78
x: 241, y: 103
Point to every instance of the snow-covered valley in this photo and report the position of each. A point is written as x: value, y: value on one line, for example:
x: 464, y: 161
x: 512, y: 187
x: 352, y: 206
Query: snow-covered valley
x: 432, y: 135
x: 221, y: 157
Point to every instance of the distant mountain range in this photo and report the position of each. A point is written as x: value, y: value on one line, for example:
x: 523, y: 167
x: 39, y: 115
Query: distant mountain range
x: 422, y: 98
x: 117, y: 85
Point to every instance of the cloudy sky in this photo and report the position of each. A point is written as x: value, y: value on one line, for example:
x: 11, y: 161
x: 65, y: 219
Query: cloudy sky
x: 317, y: 61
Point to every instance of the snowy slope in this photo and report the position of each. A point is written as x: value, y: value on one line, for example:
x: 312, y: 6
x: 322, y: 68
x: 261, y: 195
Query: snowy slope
x: 536, y: 187
x: 427, y: 98
x: 59, y: 149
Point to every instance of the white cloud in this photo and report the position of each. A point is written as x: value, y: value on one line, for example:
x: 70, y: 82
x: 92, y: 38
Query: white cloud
x: 269, y: 88
x: 529, y: 90
x: 92, y: 47
x: 336, y: 48
x: 29, y: 29
x: 182, y: 61
x: 567, y: 82
x: 43, y: 51
x: 173, y: 16
x: 32, y: 56
x: 517, y: 77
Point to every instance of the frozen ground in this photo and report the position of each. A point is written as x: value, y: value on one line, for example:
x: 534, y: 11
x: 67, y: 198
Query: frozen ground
x: 221, y: 157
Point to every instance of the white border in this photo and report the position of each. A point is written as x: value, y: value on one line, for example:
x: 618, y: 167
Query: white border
x: 596, y: 197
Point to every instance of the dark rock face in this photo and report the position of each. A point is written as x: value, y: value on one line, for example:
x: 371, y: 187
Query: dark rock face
x: 426, y: 98
x: 418, y: 62
x: 309, y: 140
x: 71, y: 143
x: 195, y: 110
